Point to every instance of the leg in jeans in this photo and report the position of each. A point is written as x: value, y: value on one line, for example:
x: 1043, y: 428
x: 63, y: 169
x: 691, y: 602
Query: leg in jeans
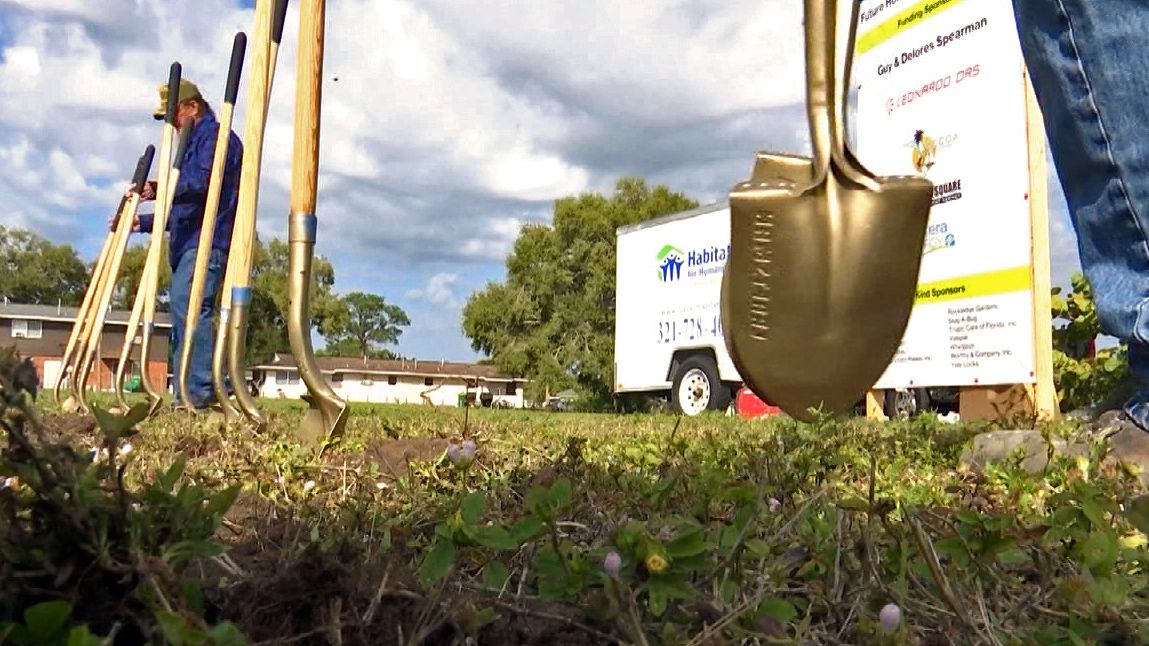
x: 199, y: 370
x: 181, y: 284
x: 1090, y: 70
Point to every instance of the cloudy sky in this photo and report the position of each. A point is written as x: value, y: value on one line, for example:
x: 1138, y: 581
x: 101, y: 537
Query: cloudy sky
x: 447, y: 124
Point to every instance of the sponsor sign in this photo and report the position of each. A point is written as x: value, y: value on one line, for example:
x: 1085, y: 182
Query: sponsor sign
x: 941, y: 94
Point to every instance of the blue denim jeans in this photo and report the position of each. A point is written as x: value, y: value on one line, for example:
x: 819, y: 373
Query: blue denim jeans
x: 1089, y: 64
x: 199, y: 370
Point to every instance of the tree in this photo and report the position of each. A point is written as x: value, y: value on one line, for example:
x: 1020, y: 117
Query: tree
x: 552, y: 320
x: 362, y: 323
x: 33, y: 270
x: 268, y: 313
x: 132, y: 270
x: 1082, y: 377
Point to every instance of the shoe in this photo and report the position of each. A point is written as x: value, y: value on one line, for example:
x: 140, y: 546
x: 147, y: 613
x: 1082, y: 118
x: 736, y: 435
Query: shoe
x: 202, y: 402
x: 1113, y: 422
x: 1114, y: 401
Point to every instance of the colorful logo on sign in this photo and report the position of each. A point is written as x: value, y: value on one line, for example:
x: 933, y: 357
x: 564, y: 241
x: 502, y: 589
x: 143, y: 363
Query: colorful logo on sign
x: 670, y: 260
x: 923, y: 151
x: 675, y: 265
x: 938, y: 236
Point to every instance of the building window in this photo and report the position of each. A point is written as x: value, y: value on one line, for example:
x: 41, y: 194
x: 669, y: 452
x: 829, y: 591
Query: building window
x: 289, y: 377
x: 27, y: 329
x: 392, y: 380
x: 511, y: 388
x: 429, y: 381
x: 337, y: 379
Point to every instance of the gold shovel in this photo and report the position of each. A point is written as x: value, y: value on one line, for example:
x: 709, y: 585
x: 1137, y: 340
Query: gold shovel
x: 822, y: 275
x: 79, y: 327
x: 154, y: 258
x: 139, y: 306
x: 269, y: 18
x: 122, y: 232
x: 211, y: 210
x: 326, y: 414
x: 70, y: 361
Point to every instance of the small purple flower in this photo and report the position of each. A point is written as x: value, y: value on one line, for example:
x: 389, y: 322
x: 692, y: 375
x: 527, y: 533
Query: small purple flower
x: 612, y: 563
x: 890, y: 618
x: 461, y: 455
x: 775, y: 505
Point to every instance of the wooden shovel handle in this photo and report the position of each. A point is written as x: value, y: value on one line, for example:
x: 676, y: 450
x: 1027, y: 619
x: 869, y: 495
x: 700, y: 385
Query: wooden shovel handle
x: 308, y: 97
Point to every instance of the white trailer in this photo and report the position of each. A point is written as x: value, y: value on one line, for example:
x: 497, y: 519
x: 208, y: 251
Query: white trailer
x: 668, y: 330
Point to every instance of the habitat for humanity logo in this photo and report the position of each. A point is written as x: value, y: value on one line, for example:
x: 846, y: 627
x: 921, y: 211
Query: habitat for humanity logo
x: 670, y: 263
x: 697, y: 262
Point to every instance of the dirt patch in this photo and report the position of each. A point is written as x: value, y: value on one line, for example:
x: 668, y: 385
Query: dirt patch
x: 291, y: 590
x: 69, y: 426
x: 395, y: 457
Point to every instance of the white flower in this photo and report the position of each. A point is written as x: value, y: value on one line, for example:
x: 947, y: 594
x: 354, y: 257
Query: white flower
x: 612, y: 563
x: 126, y: 448
x: 309, y: 485
x: 890, y: 618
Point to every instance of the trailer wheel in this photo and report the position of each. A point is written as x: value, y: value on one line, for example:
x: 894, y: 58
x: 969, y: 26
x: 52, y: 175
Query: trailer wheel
x: 902, y: 403
x: 697, y: 387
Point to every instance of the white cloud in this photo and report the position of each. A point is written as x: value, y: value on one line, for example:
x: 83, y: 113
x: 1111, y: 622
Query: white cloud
x: 439, y: 290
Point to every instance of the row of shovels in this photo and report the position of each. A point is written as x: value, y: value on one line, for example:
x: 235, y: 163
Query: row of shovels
x: 816, y: 296
x: 327, y: 413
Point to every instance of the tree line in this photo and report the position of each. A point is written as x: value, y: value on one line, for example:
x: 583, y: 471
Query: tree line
x: 34, y: 270
x: 552, y: 319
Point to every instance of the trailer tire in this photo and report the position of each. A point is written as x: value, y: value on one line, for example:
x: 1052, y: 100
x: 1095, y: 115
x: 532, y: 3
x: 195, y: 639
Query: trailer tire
x: 906, y: 403
x: 697, y: 387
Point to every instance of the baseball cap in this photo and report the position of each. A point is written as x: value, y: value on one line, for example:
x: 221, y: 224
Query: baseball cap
x: 188, y: 90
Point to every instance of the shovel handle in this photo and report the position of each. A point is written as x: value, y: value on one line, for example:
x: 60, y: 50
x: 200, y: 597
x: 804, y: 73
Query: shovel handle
x: 308, y: 97
x: 278, y: 16
x: 173, y: 93
x: 181, y: 148
x: 238, y: 47
x: 143, y: 167
x: 821, y: 42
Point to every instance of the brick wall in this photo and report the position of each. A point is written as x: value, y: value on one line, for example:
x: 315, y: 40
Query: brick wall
x: 103, y: 372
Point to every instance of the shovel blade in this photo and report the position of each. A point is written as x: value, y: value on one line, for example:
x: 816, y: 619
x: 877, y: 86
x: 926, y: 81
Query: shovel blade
x: 323, y: 420
x: 820, y: 290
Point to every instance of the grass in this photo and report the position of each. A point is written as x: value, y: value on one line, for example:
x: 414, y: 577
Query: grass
x: 726, y: 531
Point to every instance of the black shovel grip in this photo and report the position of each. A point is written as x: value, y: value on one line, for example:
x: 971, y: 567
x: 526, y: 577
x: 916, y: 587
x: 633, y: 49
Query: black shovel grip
x: 237, y: 49
x: 143, y: 168
x: 182, y: 147
x: 279, y: 14
x: 173, y: 93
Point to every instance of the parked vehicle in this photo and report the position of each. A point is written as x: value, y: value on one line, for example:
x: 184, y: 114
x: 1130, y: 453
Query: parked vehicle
x: 668, y: 330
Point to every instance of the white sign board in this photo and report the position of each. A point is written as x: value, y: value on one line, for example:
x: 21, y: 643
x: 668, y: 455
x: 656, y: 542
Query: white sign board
x: 941, y: 93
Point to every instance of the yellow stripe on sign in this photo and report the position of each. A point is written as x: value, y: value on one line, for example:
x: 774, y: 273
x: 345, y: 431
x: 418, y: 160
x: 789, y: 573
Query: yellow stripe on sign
x: 904, y: 19
x: 988, y: 284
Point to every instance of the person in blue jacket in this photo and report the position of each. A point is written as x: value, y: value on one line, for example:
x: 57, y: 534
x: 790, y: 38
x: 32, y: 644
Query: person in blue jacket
x: 1089, y: 65
x: 185, y: 220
